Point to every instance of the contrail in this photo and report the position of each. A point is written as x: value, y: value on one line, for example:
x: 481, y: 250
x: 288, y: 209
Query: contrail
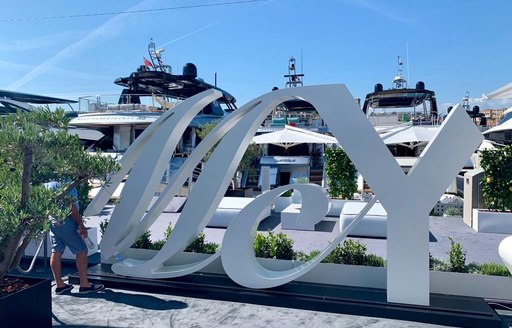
x: 210, y: 25
x: 191, y: 33
x: 109, y: 29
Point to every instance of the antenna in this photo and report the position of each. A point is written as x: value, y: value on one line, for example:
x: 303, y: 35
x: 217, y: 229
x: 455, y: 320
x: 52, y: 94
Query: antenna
x: 407, y: 58
x: 294, y: 79
x: 399, y: 82
x: 301, y: 61
x: 465, y: 101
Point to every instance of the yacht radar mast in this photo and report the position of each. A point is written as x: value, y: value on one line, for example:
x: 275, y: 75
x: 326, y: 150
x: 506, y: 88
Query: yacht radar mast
x: 399, y: 82
x: 465, y: 102
x: 294, y: 79
x: 156, y: 57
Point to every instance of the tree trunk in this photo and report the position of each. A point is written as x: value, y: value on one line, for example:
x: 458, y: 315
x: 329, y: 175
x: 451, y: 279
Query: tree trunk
x: 28, y: 156
x: 20, y: 252
x: 9, y: 252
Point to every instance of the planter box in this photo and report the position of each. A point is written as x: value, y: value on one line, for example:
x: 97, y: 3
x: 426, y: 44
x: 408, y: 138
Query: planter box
x: 31, y: 307
x: 495, y: 222
x: 448, y: 283
x: 473, y: 285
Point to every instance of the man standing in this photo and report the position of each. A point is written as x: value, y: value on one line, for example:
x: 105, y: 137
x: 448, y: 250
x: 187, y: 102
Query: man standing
x: 70, y: 233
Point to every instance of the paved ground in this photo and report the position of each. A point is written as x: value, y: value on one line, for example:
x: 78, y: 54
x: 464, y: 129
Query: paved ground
x: 122, y: 308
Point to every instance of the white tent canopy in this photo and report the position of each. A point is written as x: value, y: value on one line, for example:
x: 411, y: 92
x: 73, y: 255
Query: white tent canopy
x: 291, y: 136
x: 503, y: 92
x: 410, y: 136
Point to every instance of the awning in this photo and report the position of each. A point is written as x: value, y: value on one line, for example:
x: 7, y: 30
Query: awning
x: 284, y: 160
x: 503, y: 92
x: 291, y: 136
x: 411, y: 136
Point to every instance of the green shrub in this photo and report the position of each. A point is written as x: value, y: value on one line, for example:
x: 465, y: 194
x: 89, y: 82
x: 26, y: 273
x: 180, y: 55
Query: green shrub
x: 497, y: 182
x: 275, y: 246
x: 301, y: 256
x: 262, y: 247
x: 354, y: 253
x: 452, y: 211
x: 144, y: 241
x: 436, y: 264
x: 103, y: 226
x: 494, y: 269
x: 301, y: 180
x: 457, y: 257
x: 287, y: 193
x: 199, y: 245
x: 351, y: 252
x: 168, y: 231
x: 374, y: 261
x: 341, y: 173
x: 158, y: 245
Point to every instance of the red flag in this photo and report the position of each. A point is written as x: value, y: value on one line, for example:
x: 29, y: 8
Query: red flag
x: 147, y: 63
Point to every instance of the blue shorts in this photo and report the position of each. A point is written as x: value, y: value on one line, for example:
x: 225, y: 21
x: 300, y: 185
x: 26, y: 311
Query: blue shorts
x: 64, y: 234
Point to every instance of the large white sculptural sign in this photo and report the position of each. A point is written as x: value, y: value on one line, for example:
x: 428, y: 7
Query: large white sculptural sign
x: 407, y: 198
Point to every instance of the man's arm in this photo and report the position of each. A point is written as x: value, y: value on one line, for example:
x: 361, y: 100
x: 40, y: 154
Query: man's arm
x: 78, y: 219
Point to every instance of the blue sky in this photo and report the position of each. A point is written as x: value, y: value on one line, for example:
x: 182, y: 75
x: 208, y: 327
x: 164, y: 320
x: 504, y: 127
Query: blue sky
x: 453, y: 46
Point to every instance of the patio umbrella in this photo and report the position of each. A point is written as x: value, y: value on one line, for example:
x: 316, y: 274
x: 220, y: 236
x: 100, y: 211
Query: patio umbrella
x: 411, y: 136
x: 291, y: 136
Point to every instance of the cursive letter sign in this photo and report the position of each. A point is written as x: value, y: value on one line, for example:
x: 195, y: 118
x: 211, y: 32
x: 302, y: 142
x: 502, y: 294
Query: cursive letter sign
x: 406, y: 198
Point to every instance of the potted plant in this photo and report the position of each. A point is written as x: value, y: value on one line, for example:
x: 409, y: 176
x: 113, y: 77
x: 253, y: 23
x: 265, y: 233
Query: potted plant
x: 497, y: 192
x: 35, y: 148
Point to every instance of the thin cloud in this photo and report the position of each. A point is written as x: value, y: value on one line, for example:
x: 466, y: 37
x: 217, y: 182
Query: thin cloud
x: 212, y: 24
x: 10, y: 66
x: 36, y: 43
x: 383, y: 11
x: 189, y: 34
x: 106, y: 31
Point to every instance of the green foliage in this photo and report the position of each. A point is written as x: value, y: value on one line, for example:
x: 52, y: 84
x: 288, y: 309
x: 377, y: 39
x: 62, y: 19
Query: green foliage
x: 452, y: 211
x: 457, y: 257
x: 144, y: 241
x: 374, y: 261
x: 287, y: 193
x: 491, y: 269
x: 157, y: 245
x: 274, y: 246
x: 202, y: 132
x: 200, y: 246
x: 353, y: 253
x: 301, y: 180
x: 494, y: 269
x: 103, y: 227
x: 497, y: 182
x: 35, y: 148
x: 83, y: 196
x: 168, y: 231
x: 341, y: 173
x: 250, y: 160
x: 301, y: 256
